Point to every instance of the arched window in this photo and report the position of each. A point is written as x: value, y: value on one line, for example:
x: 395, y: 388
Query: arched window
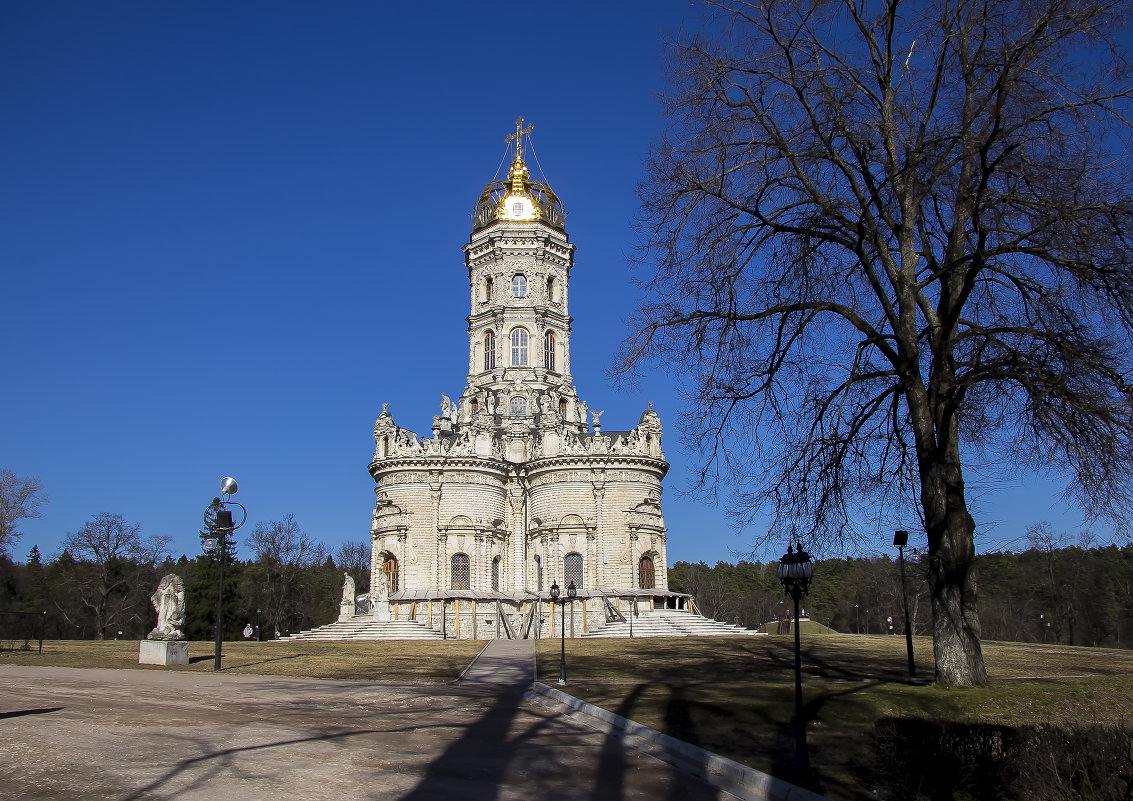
x: 519, y: 406
x: 551, y: 289
x: 487, y: 289
x: 563, y: 406
x: 475, y: 405
x: 496, y: 574
x: 460, y: 566
x: 645, y: 572
x: 490, y: 351
x: 549, y: 350
x: 572, y: 565
x: 389, y: 570
x: 518, y: 286
x: 519, y: 347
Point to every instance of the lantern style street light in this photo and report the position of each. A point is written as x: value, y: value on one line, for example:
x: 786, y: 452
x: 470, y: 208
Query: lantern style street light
x: 562, y: 656
x: 218, y: 522
x: 572, y: 593
x: 796, y: 569
x: 901, y: 539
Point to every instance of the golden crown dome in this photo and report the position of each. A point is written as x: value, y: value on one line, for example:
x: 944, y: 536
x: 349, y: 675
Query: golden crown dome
x: 518, y: 199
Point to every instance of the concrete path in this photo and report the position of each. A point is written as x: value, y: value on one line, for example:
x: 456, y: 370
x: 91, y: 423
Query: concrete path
x: 503, y: 662
x: 151, y: 734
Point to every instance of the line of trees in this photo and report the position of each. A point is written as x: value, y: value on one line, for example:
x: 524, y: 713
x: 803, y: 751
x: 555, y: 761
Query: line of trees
x: 98, y: 586
x: 1052, y: 592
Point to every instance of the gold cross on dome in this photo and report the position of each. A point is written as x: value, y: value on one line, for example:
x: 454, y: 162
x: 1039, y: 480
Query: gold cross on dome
x: 517, y: 137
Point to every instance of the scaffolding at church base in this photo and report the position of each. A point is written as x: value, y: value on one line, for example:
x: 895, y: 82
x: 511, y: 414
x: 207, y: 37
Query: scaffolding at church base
x: 463, y: 614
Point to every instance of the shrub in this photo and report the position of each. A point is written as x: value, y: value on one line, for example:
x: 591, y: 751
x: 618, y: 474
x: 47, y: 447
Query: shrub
x: 924, y: 759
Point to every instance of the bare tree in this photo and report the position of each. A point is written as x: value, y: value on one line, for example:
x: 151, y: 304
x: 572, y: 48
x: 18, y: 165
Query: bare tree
x: 20, y: 499
x: 887, y: 238
x: 282, y: 551
x: 154, y: 550
x: 102, y: 574
x: 354, y: 558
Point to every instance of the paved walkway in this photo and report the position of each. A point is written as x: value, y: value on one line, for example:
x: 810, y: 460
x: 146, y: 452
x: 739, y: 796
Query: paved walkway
x: 503, y: 662
x: 150, y: 734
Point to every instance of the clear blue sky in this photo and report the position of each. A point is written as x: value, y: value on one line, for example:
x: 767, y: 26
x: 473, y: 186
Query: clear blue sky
x: 230, y: 231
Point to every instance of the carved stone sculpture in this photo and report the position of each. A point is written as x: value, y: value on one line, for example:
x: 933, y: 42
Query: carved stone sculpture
x: 169, y: 603
x: 346, y: 607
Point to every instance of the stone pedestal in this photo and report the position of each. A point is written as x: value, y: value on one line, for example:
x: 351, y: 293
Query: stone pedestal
x: 345, y: 610
x: 163, y: 652
x: 381, y: 610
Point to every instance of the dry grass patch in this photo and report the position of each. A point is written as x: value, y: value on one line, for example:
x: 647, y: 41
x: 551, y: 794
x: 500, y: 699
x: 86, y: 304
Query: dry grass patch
x: 417, y: 661
x: 735, y: 696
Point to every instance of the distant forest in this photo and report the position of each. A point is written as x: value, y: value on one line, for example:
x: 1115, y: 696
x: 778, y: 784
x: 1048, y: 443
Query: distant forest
x: 99, y: 585
x: 1049, y: 593
x: 1072, y: 595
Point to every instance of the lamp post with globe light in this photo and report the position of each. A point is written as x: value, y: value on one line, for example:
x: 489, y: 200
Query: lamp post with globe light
x: 796, y: 569
x: 219, y: 524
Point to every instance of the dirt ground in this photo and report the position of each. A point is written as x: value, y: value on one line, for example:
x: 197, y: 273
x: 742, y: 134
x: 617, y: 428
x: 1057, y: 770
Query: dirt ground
x: 130, y: 734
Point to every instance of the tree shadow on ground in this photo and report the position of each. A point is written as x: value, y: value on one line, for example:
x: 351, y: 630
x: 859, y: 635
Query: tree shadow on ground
x: 217, y: 762
x: 610, y: 777
x: 21, y: 712
x: 471, y: 768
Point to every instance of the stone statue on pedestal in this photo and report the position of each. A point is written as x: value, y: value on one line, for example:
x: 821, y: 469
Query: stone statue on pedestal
x: 346, y: 607
x: 169, y: 603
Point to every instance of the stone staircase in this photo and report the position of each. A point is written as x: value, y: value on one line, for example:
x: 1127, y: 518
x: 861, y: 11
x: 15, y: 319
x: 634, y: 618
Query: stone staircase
x: 658, y: 623
x: 364, y: 627
x: 670, y: 623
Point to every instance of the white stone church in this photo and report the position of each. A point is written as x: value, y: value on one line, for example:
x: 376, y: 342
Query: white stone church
x: 518, y: 487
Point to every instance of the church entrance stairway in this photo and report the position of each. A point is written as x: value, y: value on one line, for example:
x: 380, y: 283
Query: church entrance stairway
x: 364, y: 627
x: 647, y: 623
x: 668, y: 623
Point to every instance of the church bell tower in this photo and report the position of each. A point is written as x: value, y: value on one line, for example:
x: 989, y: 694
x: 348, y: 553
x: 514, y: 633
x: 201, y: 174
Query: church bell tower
x: 519, y: 260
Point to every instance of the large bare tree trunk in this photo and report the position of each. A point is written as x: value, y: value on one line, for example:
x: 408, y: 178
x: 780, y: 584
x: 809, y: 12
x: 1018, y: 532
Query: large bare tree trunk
x: 952, y: 571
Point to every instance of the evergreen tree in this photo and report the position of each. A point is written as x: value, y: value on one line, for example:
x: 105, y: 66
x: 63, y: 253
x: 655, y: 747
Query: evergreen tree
x: 200, y: 597
x: 201, y: 586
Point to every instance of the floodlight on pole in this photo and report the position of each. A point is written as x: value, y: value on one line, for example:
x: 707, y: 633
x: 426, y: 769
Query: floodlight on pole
x: 901, y: 539
x: 218, y: 521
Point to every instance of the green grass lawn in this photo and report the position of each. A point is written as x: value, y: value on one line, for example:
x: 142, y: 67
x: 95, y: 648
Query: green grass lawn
x: 731, y: 695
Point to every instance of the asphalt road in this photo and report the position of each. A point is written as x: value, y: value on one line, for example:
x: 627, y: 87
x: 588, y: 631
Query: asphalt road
x: 154, y: 734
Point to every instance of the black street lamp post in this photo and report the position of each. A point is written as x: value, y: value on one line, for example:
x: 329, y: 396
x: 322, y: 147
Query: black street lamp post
x: 218, y: 521
x: 901, y: 539
x: 796, y: 569
x: 572, y: 593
